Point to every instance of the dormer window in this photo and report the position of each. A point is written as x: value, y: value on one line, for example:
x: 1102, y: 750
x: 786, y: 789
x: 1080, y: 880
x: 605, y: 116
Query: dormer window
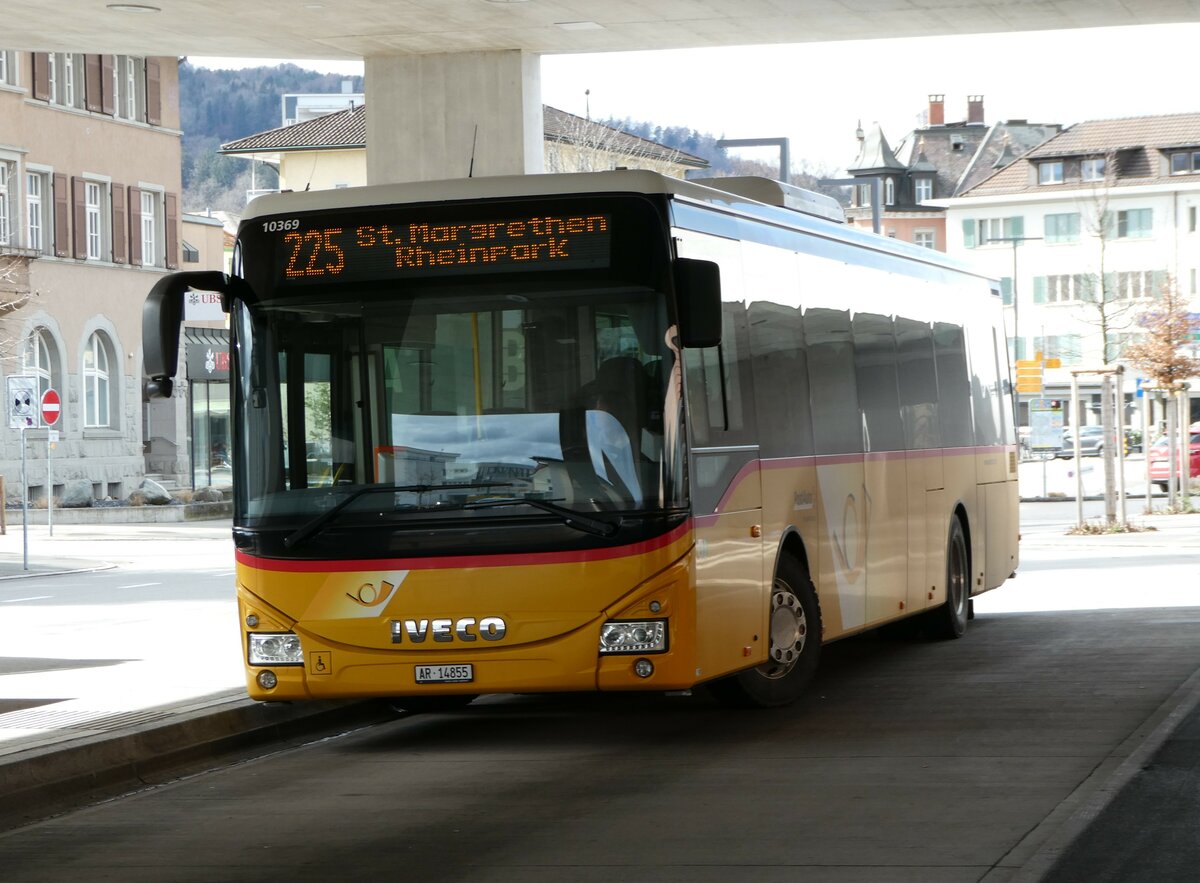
x: 1185, y: 162
x: 1050, y: 172
x: 1092, y: 169
x: 922, y: 189
x: 889, y: 191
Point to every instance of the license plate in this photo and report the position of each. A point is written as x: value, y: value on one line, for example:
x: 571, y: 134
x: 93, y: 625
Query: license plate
x: 459, y: 673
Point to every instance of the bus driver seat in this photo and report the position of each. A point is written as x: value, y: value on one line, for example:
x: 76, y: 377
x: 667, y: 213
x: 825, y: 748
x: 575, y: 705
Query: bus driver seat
x: 617, y: 415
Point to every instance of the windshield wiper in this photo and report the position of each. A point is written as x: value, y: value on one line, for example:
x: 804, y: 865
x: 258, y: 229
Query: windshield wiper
x: 309, y: 528
x: 569, y: 517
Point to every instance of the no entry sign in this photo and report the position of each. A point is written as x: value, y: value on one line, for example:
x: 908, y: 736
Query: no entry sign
x: 51, y: 406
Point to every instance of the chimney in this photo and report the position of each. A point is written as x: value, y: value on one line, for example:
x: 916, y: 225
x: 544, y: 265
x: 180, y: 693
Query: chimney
x: 974, y: 109
x: 937, y: 110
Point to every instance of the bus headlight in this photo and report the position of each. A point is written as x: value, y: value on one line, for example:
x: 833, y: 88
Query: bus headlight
x: 275, y: 649
x: 634, y: 636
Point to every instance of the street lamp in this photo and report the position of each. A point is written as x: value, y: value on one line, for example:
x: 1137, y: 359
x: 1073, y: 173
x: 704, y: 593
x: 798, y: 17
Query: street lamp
x: 1016, y: 240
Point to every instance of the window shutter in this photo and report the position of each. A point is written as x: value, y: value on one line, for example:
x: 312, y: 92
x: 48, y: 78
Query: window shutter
x: 153, y: 92
x: 41, y: 76
x: 135, y: 226
x: 108, y: 101
x: 79, y: 211
x: 172, y: 227
x: 120, y: 233
x: 968, y: 233
x: 62, y: 213
x: 92, y: 83
x: 1039, y: 289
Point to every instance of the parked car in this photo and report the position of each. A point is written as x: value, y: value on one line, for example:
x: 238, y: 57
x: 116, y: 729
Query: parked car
x: 1158, y: 458
x: 1091, y: 441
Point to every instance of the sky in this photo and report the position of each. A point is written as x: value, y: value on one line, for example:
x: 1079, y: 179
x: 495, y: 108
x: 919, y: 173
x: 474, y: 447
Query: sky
x: 815, y: 94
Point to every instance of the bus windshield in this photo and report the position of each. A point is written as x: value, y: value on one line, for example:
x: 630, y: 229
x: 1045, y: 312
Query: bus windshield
x: 435, y: 402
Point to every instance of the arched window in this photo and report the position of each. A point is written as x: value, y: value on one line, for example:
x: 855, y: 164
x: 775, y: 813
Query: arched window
x: 889, y: 190
x: 41, y: 359
x: 97, y: 388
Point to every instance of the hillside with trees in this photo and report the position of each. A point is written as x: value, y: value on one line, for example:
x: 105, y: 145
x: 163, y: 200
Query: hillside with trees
x: 217, y: 106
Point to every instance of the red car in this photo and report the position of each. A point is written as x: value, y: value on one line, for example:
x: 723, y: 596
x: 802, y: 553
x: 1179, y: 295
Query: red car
x: 1157, y: 455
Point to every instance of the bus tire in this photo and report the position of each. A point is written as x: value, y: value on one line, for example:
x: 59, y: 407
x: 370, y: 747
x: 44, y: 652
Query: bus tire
x: 424, y: 704
x: 794, y: 649
x: 950, y: 620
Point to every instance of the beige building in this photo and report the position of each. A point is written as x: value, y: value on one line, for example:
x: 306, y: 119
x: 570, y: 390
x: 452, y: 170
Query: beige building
x: 331, y: 151
x: 89, y: 221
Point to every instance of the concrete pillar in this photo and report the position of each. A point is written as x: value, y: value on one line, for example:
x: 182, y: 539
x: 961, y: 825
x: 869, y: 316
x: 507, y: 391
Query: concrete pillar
x: 423, y: 110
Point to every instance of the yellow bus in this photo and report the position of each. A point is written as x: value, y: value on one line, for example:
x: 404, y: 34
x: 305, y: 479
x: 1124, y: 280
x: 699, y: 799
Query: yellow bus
x: 607, y: 431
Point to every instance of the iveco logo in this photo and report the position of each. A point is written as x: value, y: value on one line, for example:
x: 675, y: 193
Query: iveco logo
x: 467, y: 629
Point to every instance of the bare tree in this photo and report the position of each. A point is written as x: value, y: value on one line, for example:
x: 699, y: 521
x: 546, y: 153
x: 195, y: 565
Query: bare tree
x: 1108, y: 301
x: 575, y: 144
x: 14, y: 294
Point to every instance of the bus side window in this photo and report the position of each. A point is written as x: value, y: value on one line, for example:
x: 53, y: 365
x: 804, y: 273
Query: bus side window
x: 954, y: 386
x: 837, y: 425
x: 718, y: 378
x: 918, y: 385
x: 878, y: 392
x: 781, y: 389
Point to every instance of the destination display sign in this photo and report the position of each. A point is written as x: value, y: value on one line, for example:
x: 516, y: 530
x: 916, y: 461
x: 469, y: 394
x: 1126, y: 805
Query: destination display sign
x: 415, y: 248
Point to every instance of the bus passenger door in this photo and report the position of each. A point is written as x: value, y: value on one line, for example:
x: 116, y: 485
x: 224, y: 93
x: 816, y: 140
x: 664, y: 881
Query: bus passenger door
x: 732, y: 591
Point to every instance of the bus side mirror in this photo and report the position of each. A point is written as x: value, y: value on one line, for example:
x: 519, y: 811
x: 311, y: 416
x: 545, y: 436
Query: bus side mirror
x: 698, y: 295
x: 162, y: 316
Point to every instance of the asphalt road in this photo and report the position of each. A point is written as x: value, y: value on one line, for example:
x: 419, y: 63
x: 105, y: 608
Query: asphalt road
x: 907, y: 761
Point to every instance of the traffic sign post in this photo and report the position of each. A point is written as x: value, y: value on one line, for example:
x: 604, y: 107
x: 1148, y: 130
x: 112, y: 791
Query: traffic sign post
x: 51, y: 409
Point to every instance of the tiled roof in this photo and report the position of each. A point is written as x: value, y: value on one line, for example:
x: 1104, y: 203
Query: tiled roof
x: 342, y: 130
x: 347, y: 129
x: 1138, y: 143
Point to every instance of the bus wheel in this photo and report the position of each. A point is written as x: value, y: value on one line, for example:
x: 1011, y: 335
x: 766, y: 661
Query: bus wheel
x: 421, y: 704
x: 795, y: 646
x: 950, y: 620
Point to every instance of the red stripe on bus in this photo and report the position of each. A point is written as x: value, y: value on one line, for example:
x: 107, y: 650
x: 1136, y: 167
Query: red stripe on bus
x: 537, y: 558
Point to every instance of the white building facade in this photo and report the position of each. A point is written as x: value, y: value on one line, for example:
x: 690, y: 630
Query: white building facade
x: 1084, y: 231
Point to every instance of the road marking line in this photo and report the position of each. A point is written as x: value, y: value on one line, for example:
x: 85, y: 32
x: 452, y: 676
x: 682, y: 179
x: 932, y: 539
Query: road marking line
x: 139, y: 585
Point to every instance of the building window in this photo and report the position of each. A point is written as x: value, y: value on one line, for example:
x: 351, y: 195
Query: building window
x: 1131, y: 285
x: 1062, y: 228
x: 1092, y: 169
x: 96, y: 386
x: 1185, y: 162
x: 1192, y: 219
x: 1006, y: 290
x: 94, y: 215
x: 191, y: 254
x: 7, y: 170
x: 37, y: 210
x: 149, y: 228
x: 982, y: 231
x: 1064, y: 288
x: 8, y: 67
x: 889, y: 191
x: 1115, y: 344
x: 41, y: 359
x: 68, y: 96
x: 1063, y: 346
x: 1050, y: 172
x: 922, y: 190
x: 926, y: 238
x: 1135, y: 223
